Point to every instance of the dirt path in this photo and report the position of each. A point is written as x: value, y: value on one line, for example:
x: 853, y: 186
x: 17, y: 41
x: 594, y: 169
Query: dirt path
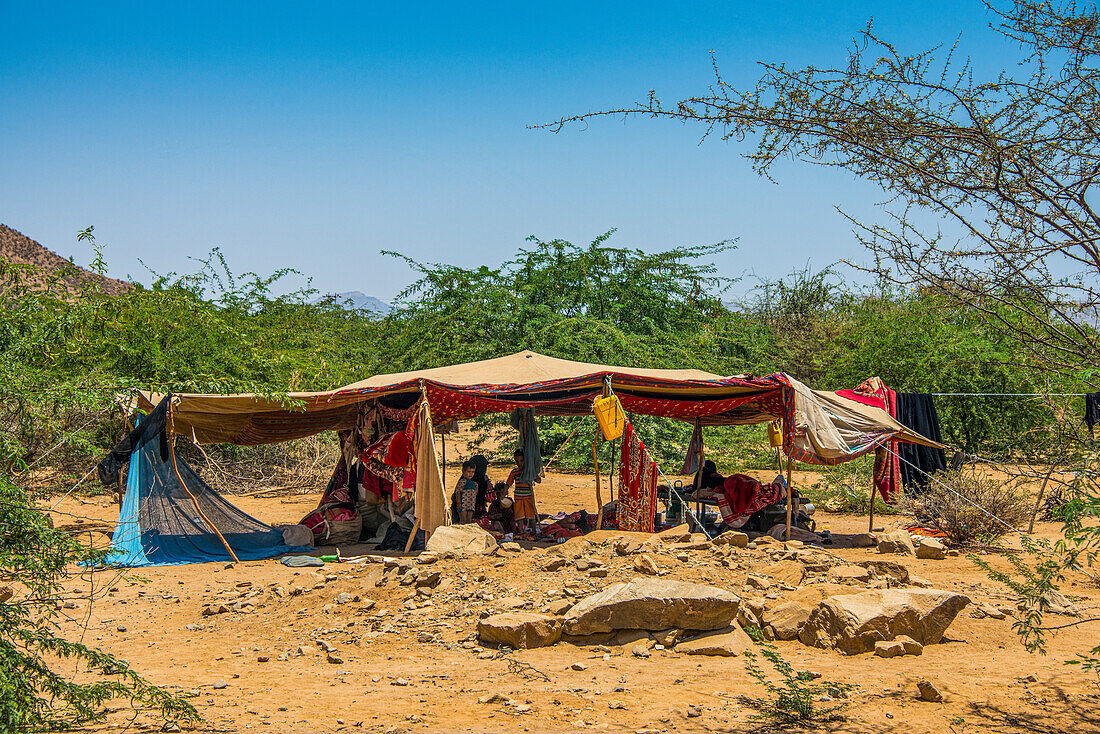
x: 421, y: 669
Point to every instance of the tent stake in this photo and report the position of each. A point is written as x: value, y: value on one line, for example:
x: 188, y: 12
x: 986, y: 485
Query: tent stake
x: 195, y: 502
x: 789, y: 462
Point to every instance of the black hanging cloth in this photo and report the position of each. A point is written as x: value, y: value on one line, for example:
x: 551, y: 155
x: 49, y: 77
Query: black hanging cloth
x: 918, y: 412
x: 153, y: 426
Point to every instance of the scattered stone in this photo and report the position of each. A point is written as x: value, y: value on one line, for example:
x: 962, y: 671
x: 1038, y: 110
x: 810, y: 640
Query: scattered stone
x: 428, y: 578
x: 862, y: 540
x: 897, y: 542
x: 668, y: 637
x: 219, y: 684
x: 788, y: 572
x: 750, y: 613
x: 793, y: 544
x: 212, y: 609
x: 986, y: 609
x: 728, y: 643
x: 345, y: 598
x: 892, y: 569
x: 920, y: 582
x: 1058, y: 604
x: 553, y: 564
x: 693, y: 712
x: 889, y: 648
x: 598, y: 573
x: 579, y: 666
x: 634, y: 543
x: 326, y: 646
x: 120, y: 628
x: 652, y: 604
x: 786, y: 620
x: 912, y: 647
x: 262, y: 658
x: 678, y: 534
x: 468, y: 539
x: 848, y: 574
x: 929, y: 691
x: 559, y: 607
x: 492, y: 698
x: 854, y: 623
x: 758, y: 582
x: 425, y: 637
x: 932, y: 549
x: 953, y: 553
x: 732, y: 537
x: 586, y: 563
x: 427, y: 558
x: 511, y: 547
x: 616, y: 705
x: 645, y: 564
x: 640, y: 651
x: 520, y: 630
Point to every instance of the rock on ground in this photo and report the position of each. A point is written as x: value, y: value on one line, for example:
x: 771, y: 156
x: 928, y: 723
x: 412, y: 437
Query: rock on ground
x: 727, y: 643
x: 653, y: 604
x: 786, y: 620
x: 929, y: 691
x: 853, y: 623
x: 787, y: 572
x: 461, y: 540
x: 520, y: 630
x: 897, y: 542
x: 932, y: 549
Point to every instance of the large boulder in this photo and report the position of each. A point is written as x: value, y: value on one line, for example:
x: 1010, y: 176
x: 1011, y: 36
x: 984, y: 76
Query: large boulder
x: 897, y: 542
x: 853, y: 623
x: 726, y: 643
x: 461, y: 540
x: 520, y: 630
x: 652, y: 604
x: 786, y: 620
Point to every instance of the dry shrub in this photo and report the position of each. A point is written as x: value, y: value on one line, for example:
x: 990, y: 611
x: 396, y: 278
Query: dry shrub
x: 948, y: 504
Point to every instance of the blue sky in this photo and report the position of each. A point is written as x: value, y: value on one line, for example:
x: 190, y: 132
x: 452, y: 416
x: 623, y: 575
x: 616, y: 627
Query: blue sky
x: 314, y: 135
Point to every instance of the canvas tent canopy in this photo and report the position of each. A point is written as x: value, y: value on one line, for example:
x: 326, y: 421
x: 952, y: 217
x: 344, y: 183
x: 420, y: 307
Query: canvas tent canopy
x: 819, y: 426
x: 171, y: 517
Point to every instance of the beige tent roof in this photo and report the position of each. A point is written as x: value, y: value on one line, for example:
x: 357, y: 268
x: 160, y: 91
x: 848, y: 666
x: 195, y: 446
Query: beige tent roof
x: 832, y: 428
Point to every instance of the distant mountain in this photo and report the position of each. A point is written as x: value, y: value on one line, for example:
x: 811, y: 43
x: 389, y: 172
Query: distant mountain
x: 17, y: 248
x: 357, y: 301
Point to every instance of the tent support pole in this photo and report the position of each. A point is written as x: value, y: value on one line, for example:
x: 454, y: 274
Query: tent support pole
x: 195, y: 502
x: 1039, y: 501
x: 698, y: 483
x: 596, y: 463
x: 871, y: 506
x: 789, y: 462
x: 412, y: 535
x: 443, y: 469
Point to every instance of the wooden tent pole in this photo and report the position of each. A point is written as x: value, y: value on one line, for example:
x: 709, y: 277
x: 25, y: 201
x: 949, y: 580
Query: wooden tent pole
x: 195, y: 502
x: 698, y: 483
x: 596, y: 463
x: 412, y: 535
x: 789, y: 462
x: 871, y: 510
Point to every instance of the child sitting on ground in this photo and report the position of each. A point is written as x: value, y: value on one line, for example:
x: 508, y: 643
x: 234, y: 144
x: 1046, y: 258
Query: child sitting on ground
x: 501, y: 511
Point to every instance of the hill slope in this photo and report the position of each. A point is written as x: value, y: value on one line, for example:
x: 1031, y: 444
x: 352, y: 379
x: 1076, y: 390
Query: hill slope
x: 15, y: 247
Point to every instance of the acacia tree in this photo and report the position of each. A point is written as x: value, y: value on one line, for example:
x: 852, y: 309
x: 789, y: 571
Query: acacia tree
x: 1009, y: 164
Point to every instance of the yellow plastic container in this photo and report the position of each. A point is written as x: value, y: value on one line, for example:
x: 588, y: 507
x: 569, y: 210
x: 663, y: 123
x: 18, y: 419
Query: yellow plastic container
x: 775, y: 434
x: 610, y: 416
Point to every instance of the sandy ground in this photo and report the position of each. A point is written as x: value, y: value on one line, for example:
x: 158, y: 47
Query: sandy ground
x: 421, y: 669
